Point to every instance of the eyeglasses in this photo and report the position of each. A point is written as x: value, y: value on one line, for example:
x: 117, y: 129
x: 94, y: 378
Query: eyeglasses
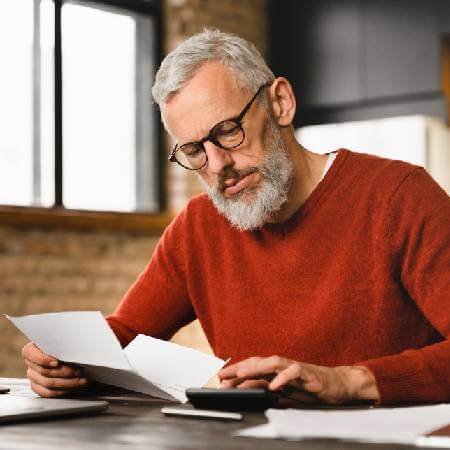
x: 226, y: 135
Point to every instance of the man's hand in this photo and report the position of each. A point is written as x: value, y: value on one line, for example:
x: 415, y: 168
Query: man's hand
x: 302, y: 382
x: 48, y: 376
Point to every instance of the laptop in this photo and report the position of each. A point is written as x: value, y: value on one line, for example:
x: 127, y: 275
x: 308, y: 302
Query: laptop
x: 14, y: 408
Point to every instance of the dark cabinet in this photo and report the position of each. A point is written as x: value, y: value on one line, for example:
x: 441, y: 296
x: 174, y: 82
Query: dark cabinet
x: 349, y: 58
x: 444, y: 16
x: 331, y: 37
x: 317, y: 45
x: 402, y: 48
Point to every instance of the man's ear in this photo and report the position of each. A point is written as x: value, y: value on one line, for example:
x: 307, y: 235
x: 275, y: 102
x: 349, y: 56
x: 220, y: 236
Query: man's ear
x: 283, y: 101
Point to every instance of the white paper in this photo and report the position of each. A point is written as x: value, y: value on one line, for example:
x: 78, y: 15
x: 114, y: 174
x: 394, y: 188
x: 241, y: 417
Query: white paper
x: 265, y: 431
x: 82, y: 337
x: 129, y: 379
x: 175, y: 363
x: 147, y: 365
x: 377, y: 425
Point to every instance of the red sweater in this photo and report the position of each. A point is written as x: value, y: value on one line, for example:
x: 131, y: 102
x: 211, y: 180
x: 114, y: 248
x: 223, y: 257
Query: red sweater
x: 359, y: 275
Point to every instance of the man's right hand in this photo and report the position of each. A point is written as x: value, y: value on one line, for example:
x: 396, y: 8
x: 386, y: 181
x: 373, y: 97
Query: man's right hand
x: 49, y: 377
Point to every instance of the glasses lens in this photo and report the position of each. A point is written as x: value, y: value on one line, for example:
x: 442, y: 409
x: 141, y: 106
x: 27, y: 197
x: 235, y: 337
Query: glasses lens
x: 192, y: 156
x: 228, y: 134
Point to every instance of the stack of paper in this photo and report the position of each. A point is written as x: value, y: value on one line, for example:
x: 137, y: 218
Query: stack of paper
x: 146, y: 365
x: 377, y: 425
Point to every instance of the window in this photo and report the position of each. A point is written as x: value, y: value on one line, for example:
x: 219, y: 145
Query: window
x: 26, y: 139
x: 79, y: 128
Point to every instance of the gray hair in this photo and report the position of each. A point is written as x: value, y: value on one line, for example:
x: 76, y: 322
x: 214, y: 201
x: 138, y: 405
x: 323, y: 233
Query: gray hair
x: 235, y: 53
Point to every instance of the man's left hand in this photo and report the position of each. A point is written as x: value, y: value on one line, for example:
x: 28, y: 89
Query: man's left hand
x: 303, y: 382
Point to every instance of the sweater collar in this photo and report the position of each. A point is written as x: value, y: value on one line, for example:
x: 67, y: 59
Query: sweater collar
x: 322, y: 187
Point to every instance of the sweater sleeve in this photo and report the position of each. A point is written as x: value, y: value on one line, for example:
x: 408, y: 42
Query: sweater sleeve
x: 157, y: 304
x: 419, y: 228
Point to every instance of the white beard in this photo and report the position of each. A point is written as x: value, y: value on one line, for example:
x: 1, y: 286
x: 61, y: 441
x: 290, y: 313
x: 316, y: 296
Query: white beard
x: 276, y: 171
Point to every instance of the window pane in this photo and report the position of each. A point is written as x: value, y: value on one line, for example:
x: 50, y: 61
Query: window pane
x: 26, y: 107
x: 100, y: 127
x: 16, y: 137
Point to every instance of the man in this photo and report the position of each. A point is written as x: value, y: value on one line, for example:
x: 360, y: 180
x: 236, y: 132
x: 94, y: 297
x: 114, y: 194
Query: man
x: 338, y: 263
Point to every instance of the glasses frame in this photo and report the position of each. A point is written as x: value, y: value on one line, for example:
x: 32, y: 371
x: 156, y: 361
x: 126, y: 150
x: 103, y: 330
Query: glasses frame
x: 210, y: 137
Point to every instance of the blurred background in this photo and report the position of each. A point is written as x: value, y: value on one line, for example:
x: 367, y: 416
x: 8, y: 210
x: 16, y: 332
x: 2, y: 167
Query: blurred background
x: 85, y: 188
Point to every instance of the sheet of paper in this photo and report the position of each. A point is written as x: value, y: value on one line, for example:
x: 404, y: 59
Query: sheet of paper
x: 377, y: 425
x: 171, y: 364
x: 82, y: 337
x: 264, y: 431
x: 128, y: 380
x: 151, y: 366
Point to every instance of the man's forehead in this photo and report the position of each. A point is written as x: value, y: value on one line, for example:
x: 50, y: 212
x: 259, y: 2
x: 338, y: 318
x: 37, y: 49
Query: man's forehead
x: 210, y: 96
x: 213, y: 75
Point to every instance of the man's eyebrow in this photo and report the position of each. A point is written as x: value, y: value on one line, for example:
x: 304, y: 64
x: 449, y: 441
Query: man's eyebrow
x: 195, y: 141
x: 205, y: 136
x: 230, y: 117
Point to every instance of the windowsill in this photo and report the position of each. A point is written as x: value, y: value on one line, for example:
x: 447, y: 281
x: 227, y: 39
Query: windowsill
x: 23, y: 216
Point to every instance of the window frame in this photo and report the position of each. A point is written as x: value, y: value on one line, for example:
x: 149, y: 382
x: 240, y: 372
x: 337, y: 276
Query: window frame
x: 60, y: 216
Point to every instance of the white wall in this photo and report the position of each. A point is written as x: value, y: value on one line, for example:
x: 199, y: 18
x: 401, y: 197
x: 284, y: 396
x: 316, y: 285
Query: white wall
x: 420, y: 140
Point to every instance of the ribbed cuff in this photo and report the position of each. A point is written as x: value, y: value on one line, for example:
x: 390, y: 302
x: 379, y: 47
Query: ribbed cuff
x: 400, y: 380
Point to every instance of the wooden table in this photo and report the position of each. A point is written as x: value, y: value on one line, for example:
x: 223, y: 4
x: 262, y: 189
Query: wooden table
x: 134, y: 422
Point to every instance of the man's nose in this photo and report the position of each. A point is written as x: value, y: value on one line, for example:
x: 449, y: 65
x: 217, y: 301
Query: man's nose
x: 218, y: 158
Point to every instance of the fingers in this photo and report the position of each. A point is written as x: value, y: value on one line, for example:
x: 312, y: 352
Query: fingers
x: 32, y: 353
x: 56, y: 383
x: 251, y: 373
x: 63, y: 371
x: 52, y: 392
x: 287, y: 375
x: 49, y: 377
x: 258, y: 367
x: 231, y: 370
x: 245, y: 384
x: 51, y: 387
x: 228, y: 375
x: 300, y: 376
x: 254, y: 367
x: 44, y: 392
x: 229, y: 384
x: 253, y: 384
x: 294, y: 380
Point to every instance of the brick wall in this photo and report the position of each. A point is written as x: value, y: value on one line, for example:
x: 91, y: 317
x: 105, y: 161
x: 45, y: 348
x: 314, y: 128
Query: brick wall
x: 45, y: 270
x: 59, y: 270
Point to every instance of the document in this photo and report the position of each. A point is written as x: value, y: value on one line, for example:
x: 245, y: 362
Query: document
x: 376, y: 425
x: 436, y: 438
x: 148, y: 365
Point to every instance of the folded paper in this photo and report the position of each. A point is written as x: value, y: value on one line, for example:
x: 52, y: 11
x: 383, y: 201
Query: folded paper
x: 148, y: 365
